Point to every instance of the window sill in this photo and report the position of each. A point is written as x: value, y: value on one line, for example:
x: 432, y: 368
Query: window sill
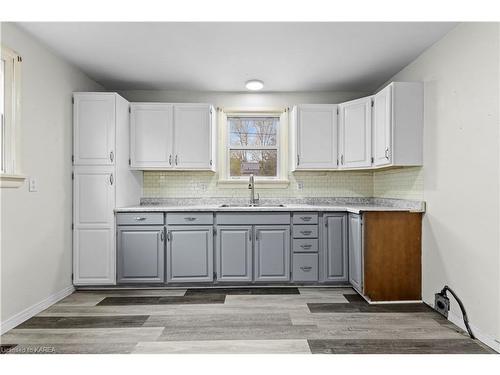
x: 11, y: 180
x: 259, y: 184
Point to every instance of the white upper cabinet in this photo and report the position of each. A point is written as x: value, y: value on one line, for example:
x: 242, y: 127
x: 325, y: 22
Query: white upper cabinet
x: 193, y: 135
x: 151, y: 135
x: 398, y: 125
x: 382, y: 127
x: 94, y: 128
x: 313, y: 137
x: 355, y: 134
x: 172, y: 136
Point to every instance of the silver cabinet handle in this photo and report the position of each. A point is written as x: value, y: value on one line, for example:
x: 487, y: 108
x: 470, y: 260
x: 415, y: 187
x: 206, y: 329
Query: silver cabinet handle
x: 342, y: 159
x: 306, y: 246
x: 162, y: 236
x: 140, y: 218
x: 387, y: 153
x: 169, y: 236
x: 170, y: 159
x: 176, y: 159
x: 190, y: 218
x: 111, y: 156
x: 306, y: 268
x: 298, y: 159
x: 306, y: 232
x: 305, y: 218
x: 111, y: 179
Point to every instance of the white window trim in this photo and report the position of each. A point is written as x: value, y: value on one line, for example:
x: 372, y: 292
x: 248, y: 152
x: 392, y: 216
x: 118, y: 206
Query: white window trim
x: 11, y: 176
x: 281, y: 181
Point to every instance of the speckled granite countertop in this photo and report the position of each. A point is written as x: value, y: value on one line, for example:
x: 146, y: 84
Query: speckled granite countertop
x: 354, y: 205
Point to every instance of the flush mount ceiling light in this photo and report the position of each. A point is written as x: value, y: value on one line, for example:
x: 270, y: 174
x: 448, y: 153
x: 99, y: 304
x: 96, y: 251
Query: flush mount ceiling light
x: 254, y: 85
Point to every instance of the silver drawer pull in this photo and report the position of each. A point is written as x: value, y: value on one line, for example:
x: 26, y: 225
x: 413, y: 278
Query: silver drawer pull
x: 307, y: 246
x: 190, y: 218
x: 306, y: 232
x: 305, y: 218
x: 140, y: 218
x: 306, y: 268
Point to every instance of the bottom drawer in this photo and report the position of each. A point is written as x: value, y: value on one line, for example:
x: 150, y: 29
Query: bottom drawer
x: 305, y: 267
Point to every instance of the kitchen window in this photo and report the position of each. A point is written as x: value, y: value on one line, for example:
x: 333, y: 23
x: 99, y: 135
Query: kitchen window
x: 252, y: 143
x: 10, y: 68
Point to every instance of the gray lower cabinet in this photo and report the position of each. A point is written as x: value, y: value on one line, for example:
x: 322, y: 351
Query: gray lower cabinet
x: 234, y: 253
x: 272, y: 253
x: 189, y: 253
x: 140, y: 254
x: 335, y: 267
x: 356, y: 251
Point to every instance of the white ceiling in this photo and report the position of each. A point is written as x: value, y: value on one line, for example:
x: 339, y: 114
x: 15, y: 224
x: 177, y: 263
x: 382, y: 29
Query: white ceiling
x: 222, y: 56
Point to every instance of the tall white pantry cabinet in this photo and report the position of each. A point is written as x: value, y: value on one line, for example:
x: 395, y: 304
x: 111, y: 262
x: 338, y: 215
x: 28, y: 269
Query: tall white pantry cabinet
x: 102, y: 181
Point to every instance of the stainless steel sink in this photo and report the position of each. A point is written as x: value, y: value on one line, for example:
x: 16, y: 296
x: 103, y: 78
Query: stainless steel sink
x: 251, y: 205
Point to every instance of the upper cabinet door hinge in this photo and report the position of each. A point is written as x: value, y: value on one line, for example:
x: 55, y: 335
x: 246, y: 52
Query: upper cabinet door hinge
x: 372, y: 102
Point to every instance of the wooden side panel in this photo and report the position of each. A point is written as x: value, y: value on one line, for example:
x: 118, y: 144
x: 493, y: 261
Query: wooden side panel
x: 393, y: 257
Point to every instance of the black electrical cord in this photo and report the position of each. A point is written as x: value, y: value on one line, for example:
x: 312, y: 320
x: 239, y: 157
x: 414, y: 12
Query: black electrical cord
x: 464, y: 314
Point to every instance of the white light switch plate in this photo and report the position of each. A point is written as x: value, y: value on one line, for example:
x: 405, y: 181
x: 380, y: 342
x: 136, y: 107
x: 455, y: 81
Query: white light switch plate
x: 300, y: 185
x: 33, y: 186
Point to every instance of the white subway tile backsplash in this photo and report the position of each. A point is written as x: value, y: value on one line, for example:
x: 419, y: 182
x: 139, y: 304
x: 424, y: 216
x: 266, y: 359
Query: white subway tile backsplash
x: 402, y: 183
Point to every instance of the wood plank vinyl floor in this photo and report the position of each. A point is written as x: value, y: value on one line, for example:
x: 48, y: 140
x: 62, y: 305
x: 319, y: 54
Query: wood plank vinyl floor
x: 227, y: 320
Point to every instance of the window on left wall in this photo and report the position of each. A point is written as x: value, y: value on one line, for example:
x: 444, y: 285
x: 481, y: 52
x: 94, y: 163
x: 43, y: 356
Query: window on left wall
x: 10, y: 77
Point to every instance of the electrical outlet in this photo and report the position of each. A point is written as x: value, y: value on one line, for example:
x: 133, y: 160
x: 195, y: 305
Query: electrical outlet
x: 33, y: 186
x: 300, y: 185
x: 441, y: 304
x: 203, y: 187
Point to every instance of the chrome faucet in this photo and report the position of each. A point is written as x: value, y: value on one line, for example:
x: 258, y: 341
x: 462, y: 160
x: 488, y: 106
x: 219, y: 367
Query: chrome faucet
x: 251, y: 185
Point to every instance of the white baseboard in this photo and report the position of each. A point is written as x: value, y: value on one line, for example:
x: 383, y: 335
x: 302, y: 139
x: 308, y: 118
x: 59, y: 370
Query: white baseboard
x: 481, y: 336
x: 31, y: 311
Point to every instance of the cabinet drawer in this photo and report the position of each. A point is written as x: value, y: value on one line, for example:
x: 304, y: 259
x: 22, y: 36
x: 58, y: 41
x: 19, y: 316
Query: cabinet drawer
x: 305, y: 231
x: 305, y: 218
x: 302, y: 245
x: 183, y: 218
x: 305, y: 267
x: 140, y: 218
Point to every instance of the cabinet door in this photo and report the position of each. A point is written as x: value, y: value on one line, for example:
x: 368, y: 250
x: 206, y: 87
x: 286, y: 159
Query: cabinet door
x: 234, y: 253
x: 93, y: 256
x: 189, y: 253
x: 93, y: 196
x: 355, y: 133
x: 140, y: 254
x: 94, y: 129
x: 317, y: 137
x: 193, y: 140
x: 335, y: 247
x: 382, y: 127
x: 93, y: 220
x: 355, y: 252
x: 151, y: 136
x: 272, y: 253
